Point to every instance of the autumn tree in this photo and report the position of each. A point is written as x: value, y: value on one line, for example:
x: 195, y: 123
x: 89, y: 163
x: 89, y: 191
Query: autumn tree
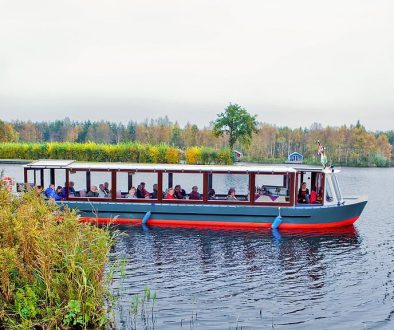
x: 237, y: 124
x: 7, y: 132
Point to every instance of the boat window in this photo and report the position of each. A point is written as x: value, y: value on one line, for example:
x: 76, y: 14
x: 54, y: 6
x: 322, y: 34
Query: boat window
x: 314, y: 185
x: 272, y: 188
x: 228, y: 187
x: 78, y: 178
x: 336, y: 187
x: 185, y: 186
x: 136, y: 185
x: 92, y: 184
x: 34, y: 177
x: 329, y: 193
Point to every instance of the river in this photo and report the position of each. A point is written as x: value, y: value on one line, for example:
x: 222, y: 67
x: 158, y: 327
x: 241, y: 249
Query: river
x: 252, y: 279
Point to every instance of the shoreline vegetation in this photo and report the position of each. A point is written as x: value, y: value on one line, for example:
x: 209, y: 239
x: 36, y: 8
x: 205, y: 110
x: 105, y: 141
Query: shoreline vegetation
x: 163, y: 141
x: 125, y: 152
x: 52, y: 267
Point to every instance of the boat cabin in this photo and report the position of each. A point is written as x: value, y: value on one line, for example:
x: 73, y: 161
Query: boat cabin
x: 272, y: 185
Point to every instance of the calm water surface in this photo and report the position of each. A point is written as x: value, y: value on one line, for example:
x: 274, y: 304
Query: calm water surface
x: 252, y: 279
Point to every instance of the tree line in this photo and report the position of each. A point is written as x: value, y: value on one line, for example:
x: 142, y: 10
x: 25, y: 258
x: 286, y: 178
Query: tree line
x: 346, y: 145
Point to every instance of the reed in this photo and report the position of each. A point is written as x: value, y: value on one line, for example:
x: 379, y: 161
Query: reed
x: 51, y: 266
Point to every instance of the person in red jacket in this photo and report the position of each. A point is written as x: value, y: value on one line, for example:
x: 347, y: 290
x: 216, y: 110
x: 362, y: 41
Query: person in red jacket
x: 170, y: 193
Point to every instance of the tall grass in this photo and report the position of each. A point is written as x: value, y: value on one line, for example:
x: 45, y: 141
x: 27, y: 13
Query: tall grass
x: 51, y: 266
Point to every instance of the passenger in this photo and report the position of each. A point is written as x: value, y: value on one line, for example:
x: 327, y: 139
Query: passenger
x: 313, y: 197
x: 102, y: 191
x: 93, y: 192
x: 179, y: 192
x: 141, y: 191
x: 38, y: 190
x: 71, y: 190
x: 146, y: 192
x: 153, y: 195
x: 170, y: 193
x: 231, y: 195
x: 194, y: 194
x: 58, y: 194
x: 50, y: 191
x: 211, y: 194
x: 106, y: 189
x: 132, y: 193
x: 303, y: 194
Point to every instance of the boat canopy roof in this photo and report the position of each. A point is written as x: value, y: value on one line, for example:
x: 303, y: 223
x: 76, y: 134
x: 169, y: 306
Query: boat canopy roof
x: 50, y: 163
x: 74, y: 165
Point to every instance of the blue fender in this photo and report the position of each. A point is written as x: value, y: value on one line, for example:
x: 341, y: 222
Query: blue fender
x: 146, y: 217
x: 277, y: 221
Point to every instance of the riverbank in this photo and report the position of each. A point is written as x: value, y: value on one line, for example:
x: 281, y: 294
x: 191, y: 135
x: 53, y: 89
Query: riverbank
x: 15, y: 161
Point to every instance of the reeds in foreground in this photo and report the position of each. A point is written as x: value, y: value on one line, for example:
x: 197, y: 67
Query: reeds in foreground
x: 51, y: 266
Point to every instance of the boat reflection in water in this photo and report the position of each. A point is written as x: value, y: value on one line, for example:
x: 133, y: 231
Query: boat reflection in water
x: 222, y: 274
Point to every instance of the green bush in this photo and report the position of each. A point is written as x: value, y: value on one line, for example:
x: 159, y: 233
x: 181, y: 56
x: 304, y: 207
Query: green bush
x: 51, y: 266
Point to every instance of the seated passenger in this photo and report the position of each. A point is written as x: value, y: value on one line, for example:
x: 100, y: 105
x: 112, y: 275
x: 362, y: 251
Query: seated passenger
x: 231, y: 195
x: 93, y: 192
x: 38, y: 190
x: 50, y: 191
x: 153, y: 194
x: 211, y: 194
x: 141, y: 191
x: 194, y: 194
x: 102, y: 192
x: 58, y: 194
x: 313, y: 197
x: 71, y: 190
x: 145, y: 192
x: 179, y: 192
x: 132, y: 193
x: 303, y: 194
x: 170, y: 193
x: 106, y: 189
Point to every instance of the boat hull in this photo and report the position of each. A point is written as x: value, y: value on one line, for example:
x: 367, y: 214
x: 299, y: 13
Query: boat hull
x: 247, y: 216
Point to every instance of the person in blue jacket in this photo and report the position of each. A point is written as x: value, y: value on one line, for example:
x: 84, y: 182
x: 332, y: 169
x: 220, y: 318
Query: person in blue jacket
x: 50, y: 191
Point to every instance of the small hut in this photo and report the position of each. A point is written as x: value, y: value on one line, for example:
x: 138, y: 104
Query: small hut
x: 295, y: 158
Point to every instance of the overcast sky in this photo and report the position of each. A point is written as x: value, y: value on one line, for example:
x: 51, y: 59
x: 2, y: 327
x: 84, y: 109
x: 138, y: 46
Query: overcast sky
x: 291, y: 62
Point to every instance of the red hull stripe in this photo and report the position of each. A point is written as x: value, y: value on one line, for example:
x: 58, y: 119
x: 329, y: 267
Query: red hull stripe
x: 119, y: 221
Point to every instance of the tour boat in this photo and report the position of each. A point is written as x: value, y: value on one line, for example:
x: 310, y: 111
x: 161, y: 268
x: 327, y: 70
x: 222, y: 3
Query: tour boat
x: 265, y: 196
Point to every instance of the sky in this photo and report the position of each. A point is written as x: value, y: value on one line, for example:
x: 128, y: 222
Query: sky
x: 291, y: 63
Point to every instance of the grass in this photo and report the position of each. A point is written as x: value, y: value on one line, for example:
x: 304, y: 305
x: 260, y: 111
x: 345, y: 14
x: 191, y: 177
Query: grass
x: 51, y: 266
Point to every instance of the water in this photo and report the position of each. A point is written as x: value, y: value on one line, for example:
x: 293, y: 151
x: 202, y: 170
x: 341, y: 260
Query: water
x: 252, y: 279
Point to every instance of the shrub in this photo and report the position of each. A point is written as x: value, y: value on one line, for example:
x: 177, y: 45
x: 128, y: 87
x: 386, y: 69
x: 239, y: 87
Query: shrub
x: 51, y: 266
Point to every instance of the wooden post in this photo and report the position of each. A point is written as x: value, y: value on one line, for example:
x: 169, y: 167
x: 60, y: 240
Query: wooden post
x: 129, y: 180
x: 205, y: 186
x: 113, y: 185
x: 160, y: 186
x: 252, y: 187
x: 52, y: 176
x: 88, y: 176
x: 42, y: 178
x: 67, y: 183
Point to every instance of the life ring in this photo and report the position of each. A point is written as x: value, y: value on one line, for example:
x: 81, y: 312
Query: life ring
x: 7, y: 182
